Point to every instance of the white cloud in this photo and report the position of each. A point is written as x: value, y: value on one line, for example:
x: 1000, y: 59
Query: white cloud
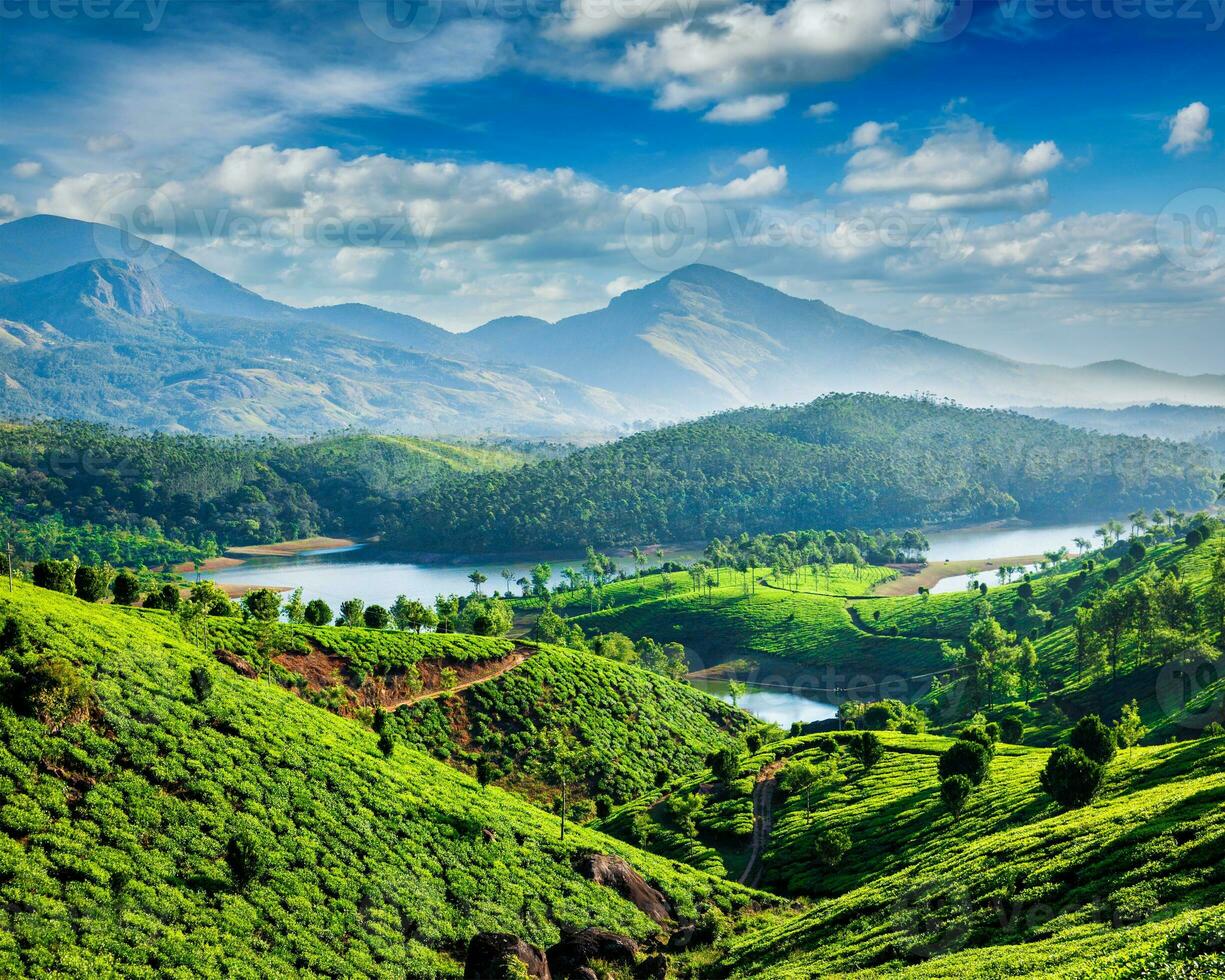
x: 752, y: 108
x: 1189, y: 130
x: 821, y: 110
x: 869, y: 134
x: 962, y: 167
x: 108, y: 143
x: 9, y: 207
x: 27, y: 169
x: 730, y: 52
x: 765, y: 182
x: 586, y: 20
x: 754, y: 158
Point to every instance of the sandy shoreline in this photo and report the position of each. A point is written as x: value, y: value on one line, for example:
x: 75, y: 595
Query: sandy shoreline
x: 282, y: 549
x: 913, y: 577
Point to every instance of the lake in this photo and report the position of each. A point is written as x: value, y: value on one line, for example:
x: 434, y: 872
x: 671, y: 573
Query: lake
x: 780, y: 705
x: 345, y: 573
x: 337, y: 574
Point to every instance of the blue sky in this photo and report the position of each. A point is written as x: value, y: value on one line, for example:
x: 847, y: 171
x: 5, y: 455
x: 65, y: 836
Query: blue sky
x: 997, y: 173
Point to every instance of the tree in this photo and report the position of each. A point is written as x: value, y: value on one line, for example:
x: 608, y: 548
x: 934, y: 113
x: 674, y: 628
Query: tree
x: 684, y: 809
x: 955, y: 793
x: 386, y: 743
x: 477, y: 578
x: 58, y: 576
x: 1088, y: 643
x: 125, y: 588
x: 1012, y: 730
x: 1111, y: 616
x: 867, y: 749
x: 93, y: 582
x: 244, y: 856
x: 562, y: 764
x: 201, y: 683
x: 352, y: 613
x: 210, y: 596
x: 485, y: 617
x: 318, y: 613
x: 507, y: 575
x: 640, y: 561
x: 409, y: 614
x: 831, y: 845
x: 736, y: 690
x: 447, y: 607
x: 1071, y: 778
x: 1094, y: 739
x: 376, y: 617
x: 964, y: 758
x: 262, y: 605
x: 725, y: 765
x: 295, y: 609
x: 1129, y: 729
x: 542, y: 574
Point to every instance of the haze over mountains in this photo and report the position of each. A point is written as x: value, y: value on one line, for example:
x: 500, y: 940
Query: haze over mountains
x: 100, y: 324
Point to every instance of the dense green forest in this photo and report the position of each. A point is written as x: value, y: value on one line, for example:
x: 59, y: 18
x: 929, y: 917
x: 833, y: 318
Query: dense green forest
x: 132, y: 498
x: 841, y: 461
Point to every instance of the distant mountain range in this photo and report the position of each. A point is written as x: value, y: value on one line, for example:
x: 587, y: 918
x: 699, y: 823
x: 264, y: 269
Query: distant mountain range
x: 104, y: 325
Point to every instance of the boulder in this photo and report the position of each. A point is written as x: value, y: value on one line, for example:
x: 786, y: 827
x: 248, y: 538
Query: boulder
x: 616, y: 873
x: 652, y: 968
x: 492, y: 956
x: 578, y: 948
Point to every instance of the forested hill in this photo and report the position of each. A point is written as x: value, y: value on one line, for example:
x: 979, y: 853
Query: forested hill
x: 109, y: 495
x: 841, y: 461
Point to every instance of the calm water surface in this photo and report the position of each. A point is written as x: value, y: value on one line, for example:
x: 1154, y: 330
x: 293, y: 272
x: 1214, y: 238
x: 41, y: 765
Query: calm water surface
x: 778, y: 705
x: 338, y: 574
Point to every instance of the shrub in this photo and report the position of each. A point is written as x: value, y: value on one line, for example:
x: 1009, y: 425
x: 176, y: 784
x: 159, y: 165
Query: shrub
x: 964, y: 758
x: 318, y: 613
x: 867, y: 749
x: 830, y: 846
x: 263, y: 605
x: 1012, y: 730
x: 1071, y: 778
x: 125, y: 588
x: 376, y: 617
x: 58, y: 576
x: 725, y: 765
x: 57, y: 693
x: 244, y: 857
x: 981, y: 735
x: 93, y: 582
x: 753, y: 741
x: 1194, y: 538
x: 387, y: 744
x: 955, y: 792
x: 201, y: 683
x: 1094, y: 739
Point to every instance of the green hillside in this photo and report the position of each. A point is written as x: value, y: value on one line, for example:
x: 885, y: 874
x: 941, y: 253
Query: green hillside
x: 841, y: 461
x: 150, y: 832
x: 128, y: 498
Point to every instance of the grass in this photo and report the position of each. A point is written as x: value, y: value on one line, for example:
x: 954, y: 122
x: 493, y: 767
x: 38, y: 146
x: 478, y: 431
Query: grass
x: 115, y: 827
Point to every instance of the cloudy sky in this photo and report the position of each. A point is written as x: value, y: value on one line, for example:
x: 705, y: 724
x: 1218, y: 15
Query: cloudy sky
x: 1037, y: 177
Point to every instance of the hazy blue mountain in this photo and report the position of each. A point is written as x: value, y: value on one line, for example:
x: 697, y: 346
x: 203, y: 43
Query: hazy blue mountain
x: 42, y: 244
x: 392, y: 328
x: 703, y: 339
x: 697, y: 340
x: 1184, y: 423
x: 101, y: 341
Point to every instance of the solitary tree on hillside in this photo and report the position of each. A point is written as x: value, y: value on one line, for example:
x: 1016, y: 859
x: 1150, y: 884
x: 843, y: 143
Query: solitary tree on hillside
x: 477, y: 578
x: 564, y: 765
x: 867, y: 749
x: 507, y: 575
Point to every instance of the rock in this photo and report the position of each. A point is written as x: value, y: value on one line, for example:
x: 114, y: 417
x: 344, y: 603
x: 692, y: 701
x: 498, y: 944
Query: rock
x: 491, y: 956
x: 617, y: 874
x: 652, y: 968
x: 578, y: 948
x: 236, y: 663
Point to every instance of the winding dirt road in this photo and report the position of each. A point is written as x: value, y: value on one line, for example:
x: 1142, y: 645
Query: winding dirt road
x: 763, y: 822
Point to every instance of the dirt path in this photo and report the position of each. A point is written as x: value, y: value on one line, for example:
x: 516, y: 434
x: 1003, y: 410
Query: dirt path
x: 763, y: 822
x: 478, y: 676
